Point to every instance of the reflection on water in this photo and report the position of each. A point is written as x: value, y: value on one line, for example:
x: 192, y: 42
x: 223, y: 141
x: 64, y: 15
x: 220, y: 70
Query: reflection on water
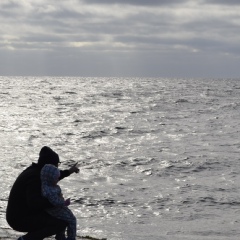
x: 158, y: 157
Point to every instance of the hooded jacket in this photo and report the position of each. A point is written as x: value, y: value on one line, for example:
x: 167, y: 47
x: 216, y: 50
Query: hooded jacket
x: 25, y: 198
x: 49, y: 178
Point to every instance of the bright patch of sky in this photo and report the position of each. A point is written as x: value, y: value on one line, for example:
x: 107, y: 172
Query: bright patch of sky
x: 177, y: 38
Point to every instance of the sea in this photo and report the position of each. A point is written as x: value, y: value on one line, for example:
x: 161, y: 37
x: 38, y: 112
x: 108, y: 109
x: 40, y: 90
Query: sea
x: 159, y: 158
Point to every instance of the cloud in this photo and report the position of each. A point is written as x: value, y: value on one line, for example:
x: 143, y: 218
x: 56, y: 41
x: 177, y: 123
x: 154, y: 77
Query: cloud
x: 137, y: 2
x: 107, y: 30
x: 224, y: 2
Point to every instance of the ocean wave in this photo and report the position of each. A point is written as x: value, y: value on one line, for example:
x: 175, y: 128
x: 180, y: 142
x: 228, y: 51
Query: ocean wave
x: 153, y: 153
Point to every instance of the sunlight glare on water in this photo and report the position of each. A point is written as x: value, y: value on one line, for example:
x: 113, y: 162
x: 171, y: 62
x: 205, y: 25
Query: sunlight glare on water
x: 159, y: 158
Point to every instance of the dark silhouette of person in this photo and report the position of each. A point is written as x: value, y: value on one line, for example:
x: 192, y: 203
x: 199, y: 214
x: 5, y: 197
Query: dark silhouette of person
x: 26, y: 204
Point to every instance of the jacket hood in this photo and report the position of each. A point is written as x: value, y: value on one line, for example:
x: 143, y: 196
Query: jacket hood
x: 49, y: 175
x: 48, y: 156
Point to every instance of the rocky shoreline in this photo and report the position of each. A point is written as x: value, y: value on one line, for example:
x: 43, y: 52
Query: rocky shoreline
x: 9, y: 234
x: 52, y: 238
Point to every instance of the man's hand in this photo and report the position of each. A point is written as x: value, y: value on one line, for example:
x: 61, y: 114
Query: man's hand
x: 74, y: 169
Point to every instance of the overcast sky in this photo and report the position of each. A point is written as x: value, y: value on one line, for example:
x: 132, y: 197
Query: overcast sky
x: 134, y: 38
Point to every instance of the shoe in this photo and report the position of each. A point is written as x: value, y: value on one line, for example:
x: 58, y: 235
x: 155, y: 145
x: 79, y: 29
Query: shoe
x: 60, y: 237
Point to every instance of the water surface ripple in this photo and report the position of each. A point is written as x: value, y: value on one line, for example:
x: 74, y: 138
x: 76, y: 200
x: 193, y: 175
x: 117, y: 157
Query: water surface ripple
x: 159, y: 158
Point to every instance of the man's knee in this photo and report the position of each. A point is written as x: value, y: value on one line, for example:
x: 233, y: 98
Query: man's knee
x: 61, y: 224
